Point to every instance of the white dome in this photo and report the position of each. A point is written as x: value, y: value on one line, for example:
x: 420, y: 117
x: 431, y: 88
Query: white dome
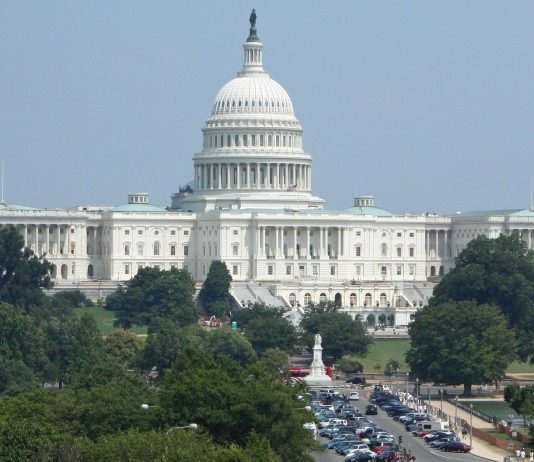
x: 252, y: 94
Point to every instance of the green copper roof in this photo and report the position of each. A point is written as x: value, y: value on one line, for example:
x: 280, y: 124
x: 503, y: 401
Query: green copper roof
x: 494, y: 213
x: 7, y: 206
x: 138, y: 208
x: 373, y: 211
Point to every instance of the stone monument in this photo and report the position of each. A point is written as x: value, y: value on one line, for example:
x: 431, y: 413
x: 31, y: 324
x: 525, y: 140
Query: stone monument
x: 317, y: 374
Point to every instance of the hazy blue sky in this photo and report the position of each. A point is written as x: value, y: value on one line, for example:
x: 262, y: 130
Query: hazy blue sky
x: 428, y: 105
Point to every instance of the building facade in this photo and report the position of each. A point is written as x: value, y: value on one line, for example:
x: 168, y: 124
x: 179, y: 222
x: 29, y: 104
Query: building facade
x: 251, y: 205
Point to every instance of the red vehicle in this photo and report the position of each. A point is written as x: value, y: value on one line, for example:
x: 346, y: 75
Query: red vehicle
x: 455, y: 446
x: 298, y: 372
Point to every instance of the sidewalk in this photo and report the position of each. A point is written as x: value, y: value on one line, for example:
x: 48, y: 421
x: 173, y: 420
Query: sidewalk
x: 480, y: 447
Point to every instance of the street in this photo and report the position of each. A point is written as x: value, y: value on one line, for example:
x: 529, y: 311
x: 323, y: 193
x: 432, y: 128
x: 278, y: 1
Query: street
x: 418, y: 447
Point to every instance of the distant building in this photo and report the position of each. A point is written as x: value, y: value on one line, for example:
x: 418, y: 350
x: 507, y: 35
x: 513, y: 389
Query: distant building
x: 251, y: 204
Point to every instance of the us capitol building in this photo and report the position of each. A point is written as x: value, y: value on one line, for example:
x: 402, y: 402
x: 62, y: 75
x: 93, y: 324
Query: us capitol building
x: 251, y: 205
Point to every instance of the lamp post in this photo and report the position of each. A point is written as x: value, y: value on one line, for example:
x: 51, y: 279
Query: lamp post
x: 397, y: 374
x: 510, y: 445
x: 417, y: 390
x: 192, y: 426
x: 407, y: 376
x: 441, y: 400
x: 455, y: 411
x: 471, y: 425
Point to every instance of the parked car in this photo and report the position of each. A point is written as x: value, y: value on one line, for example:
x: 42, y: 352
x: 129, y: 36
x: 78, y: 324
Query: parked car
x: 455, y: 446
x: 354, y: 396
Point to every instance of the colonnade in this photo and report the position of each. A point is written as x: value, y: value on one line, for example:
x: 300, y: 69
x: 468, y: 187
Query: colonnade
x: 305, y: 242
x: 253, y: 175
x: 437, y: 244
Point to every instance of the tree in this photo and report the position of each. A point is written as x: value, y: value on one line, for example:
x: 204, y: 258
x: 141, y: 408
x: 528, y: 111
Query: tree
x: 226, y: 342
x: 460, y: 343
x: 215, y: 291
x: 497, y: 272
x: 341, y: 334
x: 232, y: 404
x: 154, y: 294
x: 22, y: 274
x: 123, y: 346
x: 349, y: 365
x: 521, y: 400
x: 266, y: 327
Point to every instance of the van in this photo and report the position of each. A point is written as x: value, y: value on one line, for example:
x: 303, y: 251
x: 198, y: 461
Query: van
x: 431, y: 425
x: 354, y: 396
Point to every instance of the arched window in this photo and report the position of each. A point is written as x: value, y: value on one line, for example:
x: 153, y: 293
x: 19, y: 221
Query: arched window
x: 277, y: 140
x: 368, y: 299
x: 384, y: 250
x: 292, y: 299
x: 371, y: 320
x: 140, y: 248
x: 307, y: 299
x: 432, y: 271
x: 338, y: 299
x: 156, y: 248
x: 270, y: 140
x: 383, y: 299
x: 353, y: 299
x: 261, y: 140
x: 90, y: 271
x: 53, y: 271
x: 441, y: 270
x: 64, y: 271
x: 322, y: 298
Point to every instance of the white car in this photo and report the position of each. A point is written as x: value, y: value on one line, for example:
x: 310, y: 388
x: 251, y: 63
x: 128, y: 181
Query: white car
x: 354, y: 396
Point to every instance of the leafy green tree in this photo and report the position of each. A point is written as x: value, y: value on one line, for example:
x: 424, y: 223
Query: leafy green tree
x: 215, y: 292
x: 392, y: 367
x: 226, y: 342
x: 266, y: 327
x: 154, y: 294
x: 348, y: 364
x: 460, y: 343
x: 341, y: 334
x: 496, y: 272
x: 71, y: 299
x: 124, y: 346
x: 521, y: 400
x: 167, y: 341
x: 221, y: 396
x: 22, y: 274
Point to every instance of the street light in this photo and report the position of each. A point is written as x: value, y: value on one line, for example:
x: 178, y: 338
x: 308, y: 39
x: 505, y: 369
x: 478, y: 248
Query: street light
x: 305, y: 408
x: 471, y: 425
x: 192, y: 426
x: 510, y: 445
x: 146, y: 407
x: 456, y: 411
x: 441, y: 399
x: 407, y: 376
x: 417, y: 390
x: 397, y: 375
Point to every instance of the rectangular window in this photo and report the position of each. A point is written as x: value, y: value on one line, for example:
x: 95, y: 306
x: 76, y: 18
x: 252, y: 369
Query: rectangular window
x: 412, y: 270
x: 173, y: 232
x: 253, y: 140
x: 399, y: 252
x: 126, y: 250
x: 412, y: 251
x: 139, y: 268
x: 358, y: 233
x: 358, y: 270
x: 186, y: 250
x: 399, y: 270
x: 173, y: 250
x: 127, y: 231
x: 315, y: 270
x: 245, y: 140
x: 333, y: 270
x: 235, y: 250
x: 358, y: 251
x: 236, y: 140
x: 235, y: 232
x: 411, y: 234
x: 384, y: 270
x: 399, y: 234
x: 289, y: 270
x: 186, y: 232
x: 186, y: 268
x: 139, y: 231
x: 126, y: 269
x: 235, y: 270
x: 270, y: 270
x: 72, y: 247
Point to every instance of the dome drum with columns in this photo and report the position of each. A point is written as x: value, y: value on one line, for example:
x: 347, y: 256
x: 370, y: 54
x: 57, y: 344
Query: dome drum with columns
x: 252, y: 154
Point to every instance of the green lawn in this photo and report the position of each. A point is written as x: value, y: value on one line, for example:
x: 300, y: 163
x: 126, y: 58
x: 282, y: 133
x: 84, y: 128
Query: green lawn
x: 382, y: 351
x: 499, y: 409
x: 104, y: 319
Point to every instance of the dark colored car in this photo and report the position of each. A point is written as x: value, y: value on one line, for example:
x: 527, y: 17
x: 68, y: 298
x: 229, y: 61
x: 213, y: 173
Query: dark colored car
x: 361, y: 457
x: 357, y: 380
x: 455, y: 446
x: 371, y: 409
x: 389, y: 455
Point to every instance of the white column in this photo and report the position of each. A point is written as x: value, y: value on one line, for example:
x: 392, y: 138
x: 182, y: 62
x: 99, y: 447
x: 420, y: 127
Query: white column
x: 269, y: 176
x: 228, y: 176
x: 26, y: 236
x: 282, y: 241
x: 47, y: 249
x: 238, y: 183
x: 58, y: 240
x: 263, y: 240
x: 321, y: 241
x: 295, y: 242
x: 308, y: 242
x: 219, y: 176
x: 277, y: 179
x: 249, y: 185
x: 276, y: 242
